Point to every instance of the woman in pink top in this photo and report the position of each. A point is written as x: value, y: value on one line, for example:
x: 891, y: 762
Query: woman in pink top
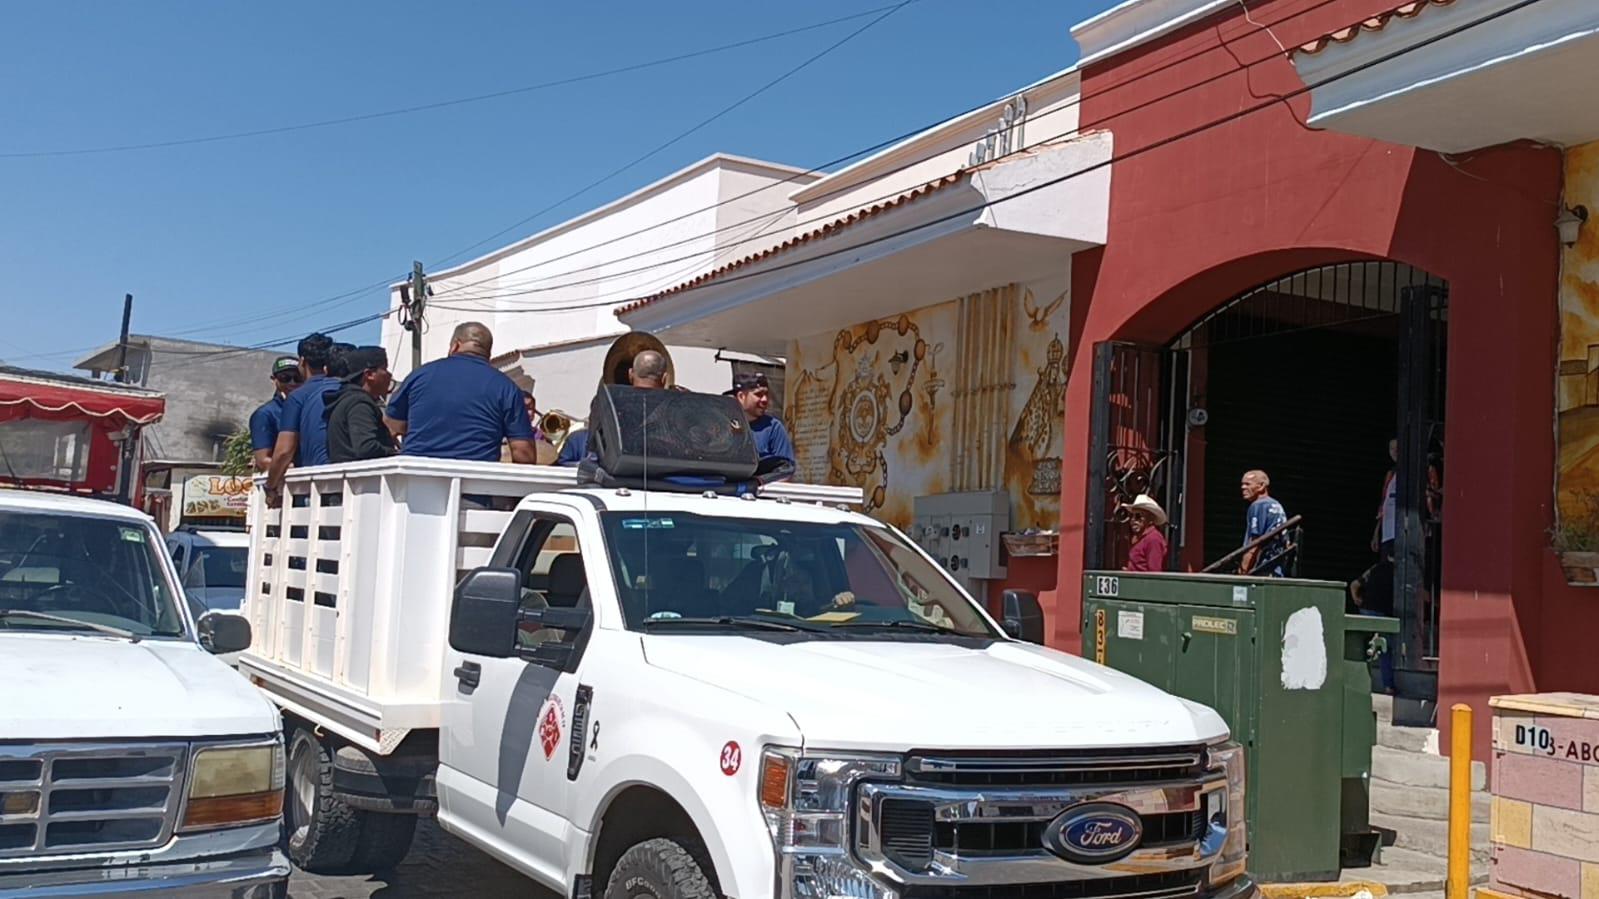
x: 1145, y: 518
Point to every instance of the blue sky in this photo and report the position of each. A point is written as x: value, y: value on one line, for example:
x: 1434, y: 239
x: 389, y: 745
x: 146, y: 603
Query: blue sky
x: 206, y: 235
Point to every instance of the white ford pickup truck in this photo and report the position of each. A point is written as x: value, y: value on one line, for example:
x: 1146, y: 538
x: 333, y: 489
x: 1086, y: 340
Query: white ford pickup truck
x: 132, y: 761
x: 681, y: 695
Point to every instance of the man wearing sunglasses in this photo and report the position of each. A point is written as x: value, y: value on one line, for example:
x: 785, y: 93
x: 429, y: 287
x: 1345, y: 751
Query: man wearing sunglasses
x: 264, y: 421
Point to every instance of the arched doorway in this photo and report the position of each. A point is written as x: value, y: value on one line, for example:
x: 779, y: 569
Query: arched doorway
x: 1306, y: 377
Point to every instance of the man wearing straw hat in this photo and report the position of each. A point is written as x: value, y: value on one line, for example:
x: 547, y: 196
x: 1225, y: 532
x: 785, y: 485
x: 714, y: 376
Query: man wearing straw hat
x: 1145, y: 518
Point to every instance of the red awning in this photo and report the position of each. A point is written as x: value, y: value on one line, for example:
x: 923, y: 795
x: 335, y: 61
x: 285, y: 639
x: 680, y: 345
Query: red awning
x: 27, y: 394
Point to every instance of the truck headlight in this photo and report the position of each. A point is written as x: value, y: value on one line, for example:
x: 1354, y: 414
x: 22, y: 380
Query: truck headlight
x: 806, y: 800
x: 234, y: 785
x: 1228, y: 814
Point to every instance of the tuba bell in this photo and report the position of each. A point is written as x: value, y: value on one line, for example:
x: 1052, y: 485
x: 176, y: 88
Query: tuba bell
x: 620, y: 357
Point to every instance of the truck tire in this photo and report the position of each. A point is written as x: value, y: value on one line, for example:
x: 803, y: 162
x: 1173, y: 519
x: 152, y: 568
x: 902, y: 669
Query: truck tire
x: 320, y: 832
x: 385, y: 839
x: 658, y: 869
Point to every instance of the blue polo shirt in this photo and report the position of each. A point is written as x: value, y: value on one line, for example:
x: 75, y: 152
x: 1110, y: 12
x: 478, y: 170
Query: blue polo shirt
x: 1266, y: 515
x: 302, y: 415
x: 264, y: 424
x: 574, y: 449
x: 771, y: 439
x: 459, y: 407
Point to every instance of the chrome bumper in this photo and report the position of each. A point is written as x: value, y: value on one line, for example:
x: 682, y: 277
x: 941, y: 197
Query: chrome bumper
x: 1242, y: 888
x: 257, y: 874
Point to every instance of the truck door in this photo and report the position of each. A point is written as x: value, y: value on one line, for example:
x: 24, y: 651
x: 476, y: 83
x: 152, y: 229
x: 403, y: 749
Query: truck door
x: 504, y: 749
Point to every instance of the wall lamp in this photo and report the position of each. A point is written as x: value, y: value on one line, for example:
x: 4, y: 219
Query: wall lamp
x: 1569, y: 223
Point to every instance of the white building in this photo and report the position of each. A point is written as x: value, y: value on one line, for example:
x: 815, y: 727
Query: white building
x: 550, y: 298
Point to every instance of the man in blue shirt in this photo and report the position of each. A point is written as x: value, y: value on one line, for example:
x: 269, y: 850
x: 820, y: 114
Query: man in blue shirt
x: 648, y: 372
x: 1265, y: 515
x: 302, y: 430
x: 461, y: 406
x: 772, y: 444
x: 264, y: 420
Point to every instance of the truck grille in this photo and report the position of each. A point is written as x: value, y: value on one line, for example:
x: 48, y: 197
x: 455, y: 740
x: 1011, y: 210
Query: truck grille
x: 1055, y: 768
x: 963, y: 824
x: 85, y: 798
x: 1142, y: 886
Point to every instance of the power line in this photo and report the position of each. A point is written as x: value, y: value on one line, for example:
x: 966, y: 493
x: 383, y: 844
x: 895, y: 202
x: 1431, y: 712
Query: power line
x: 348, y: 296
x: 724, y: 111
x: 1131, y: 154
x: 441, y: 104
x: 1076, y: 129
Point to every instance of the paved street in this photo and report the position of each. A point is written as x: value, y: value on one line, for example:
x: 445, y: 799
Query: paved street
x: 439, y: 867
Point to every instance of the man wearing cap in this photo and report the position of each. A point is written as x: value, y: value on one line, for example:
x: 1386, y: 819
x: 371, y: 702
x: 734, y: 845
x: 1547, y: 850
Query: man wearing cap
x: 354, y: 411
x: 771, y: 438
x: 264, y: 420
x: 302, y: 431
x: 1145, y: 518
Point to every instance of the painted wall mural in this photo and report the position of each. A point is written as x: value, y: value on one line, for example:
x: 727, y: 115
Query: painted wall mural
x: 1578, y: 396
x: 965, y: 394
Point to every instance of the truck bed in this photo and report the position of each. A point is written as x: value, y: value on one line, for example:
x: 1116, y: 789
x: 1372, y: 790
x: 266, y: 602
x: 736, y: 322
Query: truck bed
x: 350, y: 582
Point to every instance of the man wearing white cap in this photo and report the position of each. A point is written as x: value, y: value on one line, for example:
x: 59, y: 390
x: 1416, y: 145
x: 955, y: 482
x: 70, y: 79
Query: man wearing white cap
x: 1145, y: 518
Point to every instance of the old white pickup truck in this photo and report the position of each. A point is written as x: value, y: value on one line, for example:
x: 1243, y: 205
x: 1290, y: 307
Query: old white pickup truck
x: 133, y: 762
x: 683, y: 695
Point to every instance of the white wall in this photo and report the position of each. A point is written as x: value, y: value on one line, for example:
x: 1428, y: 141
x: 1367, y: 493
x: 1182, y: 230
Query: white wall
x: 563, y: 285
x: 1052, y: 116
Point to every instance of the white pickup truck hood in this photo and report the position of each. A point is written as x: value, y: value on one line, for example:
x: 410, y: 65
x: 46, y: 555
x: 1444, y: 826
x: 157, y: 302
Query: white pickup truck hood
x: 78, y: 687
x: 897, y: 696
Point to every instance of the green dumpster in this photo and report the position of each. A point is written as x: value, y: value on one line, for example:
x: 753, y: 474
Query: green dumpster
x: 1276, y: 658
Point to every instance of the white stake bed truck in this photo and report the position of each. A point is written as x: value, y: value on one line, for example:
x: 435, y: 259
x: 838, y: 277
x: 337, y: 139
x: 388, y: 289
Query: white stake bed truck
x: 679, y: 695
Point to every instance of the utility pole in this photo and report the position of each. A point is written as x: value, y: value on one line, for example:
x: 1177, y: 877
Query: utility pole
x: 413, y: 301
x: 125, y: 464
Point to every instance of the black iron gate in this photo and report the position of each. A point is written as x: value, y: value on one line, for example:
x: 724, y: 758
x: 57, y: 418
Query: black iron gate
x: 1418, y: 526
x: 1136, y: 430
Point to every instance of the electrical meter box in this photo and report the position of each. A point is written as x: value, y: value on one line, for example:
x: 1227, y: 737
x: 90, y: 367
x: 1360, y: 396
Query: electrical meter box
x: 961, y: 531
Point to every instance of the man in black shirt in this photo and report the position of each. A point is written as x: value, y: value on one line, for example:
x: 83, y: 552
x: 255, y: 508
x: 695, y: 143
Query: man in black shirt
x: 354, y: 410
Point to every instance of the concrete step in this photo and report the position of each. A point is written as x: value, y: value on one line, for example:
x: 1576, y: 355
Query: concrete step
x: 1404, y: 871
x: 1431, y: 803
x: 1418, y: 769
x: 1407, y: 739
x: 1430, y: 837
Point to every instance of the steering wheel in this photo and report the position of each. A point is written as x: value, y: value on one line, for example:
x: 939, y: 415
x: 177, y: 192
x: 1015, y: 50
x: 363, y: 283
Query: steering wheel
x: 69, y: 590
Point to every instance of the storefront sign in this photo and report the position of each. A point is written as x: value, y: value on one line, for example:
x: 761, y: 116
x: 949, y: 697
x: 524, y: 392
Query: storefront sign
x: 215, y: 496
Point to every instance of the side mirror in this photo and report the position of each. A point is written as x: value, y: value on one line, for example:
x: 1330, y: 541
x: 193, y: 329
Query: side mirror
x: 483, y: 614
x: 223, y: 632
x: 1023, y: 616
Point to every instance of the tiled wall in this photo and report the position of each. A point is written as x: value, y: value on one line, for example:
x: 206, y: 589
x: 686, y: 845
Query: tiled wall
x: 1546, y: 801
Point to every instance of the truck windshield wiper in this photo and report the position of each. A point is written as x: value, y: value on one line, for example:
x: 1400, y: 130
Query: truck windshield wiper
x: 730, y: 621
x: 905, y: 624
x: 30, y: 615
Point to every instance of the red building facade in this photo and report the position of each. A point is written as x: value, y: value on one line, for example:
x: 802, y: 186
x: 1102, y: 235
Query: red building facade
x: 1202, y: 212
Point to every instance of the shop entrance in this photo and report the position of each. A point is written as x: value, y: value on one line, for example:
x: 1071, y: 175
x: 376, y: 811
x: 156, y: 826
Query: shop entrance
x: 1308, y: 378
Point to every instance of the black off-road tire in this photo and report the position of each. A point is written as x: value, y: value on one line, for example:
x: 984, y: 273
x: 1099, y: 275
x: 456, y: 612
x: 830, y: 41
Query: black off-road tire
x: 320, y: 831
x: 385, y: 839
x: 658, y: 869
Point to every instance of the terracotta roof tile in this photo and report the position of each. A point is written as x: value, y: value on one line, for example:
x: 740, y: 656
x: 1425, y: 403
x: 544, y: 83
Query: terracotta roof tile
x: 821, y: 233
x: 1378, y: 22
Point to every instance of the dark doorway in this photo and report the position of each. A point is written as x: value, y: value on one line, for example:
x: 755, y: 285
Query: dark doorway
x: 1314, y: 410
x: 1307, y: 377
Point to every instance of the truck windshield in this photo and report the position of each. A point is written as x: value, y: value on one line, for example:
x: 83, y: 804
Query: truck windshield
x: 218, y: 566
x: 845, y: 578
x: 102, y: 572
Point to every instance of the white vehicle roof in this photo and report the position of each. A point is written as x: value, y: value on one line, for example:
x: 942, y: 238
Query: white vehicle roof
x: 215, y: 538
x: 653, y: 501
x: 63, y: 504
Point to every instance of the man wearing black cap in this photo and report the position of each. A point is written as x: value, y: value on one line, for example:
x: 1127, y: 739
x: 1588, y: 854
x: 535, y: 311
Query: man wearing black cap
x: 264, y: 420
x: 771, y: 438
x: 354, y: 410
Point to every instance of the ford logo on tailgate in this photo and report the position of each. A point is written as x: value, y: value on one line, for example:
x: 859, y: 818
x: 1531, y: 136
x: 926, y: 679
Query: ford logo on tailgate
x: 1094, y: 834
